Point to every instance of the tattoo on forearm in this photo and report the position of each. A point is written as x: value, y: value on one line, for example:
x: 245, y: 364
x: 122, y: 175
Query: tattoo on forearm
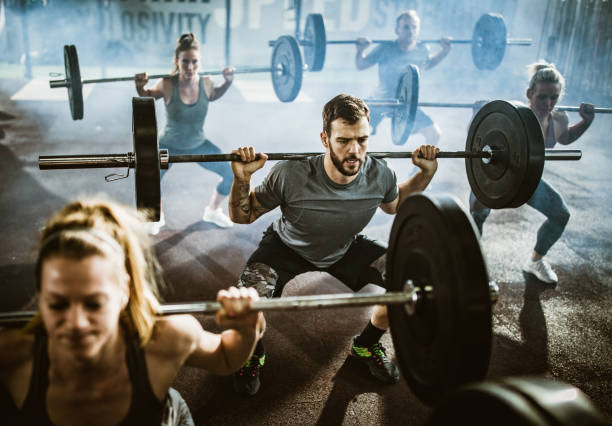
x: 244, y: 198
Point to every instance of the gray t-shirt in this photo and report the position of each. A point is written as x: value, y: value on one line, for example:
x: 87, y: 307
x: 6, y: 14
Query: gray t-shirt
x: 320, y: 217
x: 393, y: 63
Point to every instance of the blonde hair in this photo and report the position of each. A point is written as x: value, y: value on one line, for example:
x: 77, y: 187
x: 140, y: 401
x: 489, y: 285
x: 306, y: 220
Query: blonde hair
x: 544, y: 72
x: 187, y: 41
x: 99, y: 226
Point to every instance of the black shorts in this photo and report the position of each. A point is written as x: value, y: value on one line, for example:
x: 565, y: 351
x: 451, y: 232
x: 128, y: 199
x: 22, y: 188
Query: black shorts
x: 354, y: 269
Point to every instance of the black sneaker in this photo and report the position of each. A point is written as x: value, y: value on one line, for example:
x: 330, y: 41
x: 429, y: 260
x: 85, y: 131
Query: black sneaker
x: 246, y: 380
x: 376, y: 358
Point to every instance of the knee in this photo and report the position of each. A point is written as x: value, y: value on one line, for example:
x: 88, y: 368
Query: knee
x: 261, y: 277
x: 479, y: 217
x: 380, y: 318
x: 563, y: 216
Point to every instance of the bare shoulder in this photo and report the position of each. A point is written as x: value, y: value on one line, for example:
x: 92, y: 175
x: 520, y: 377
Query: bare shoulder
x: 15, y: 347
x: 174, y: 335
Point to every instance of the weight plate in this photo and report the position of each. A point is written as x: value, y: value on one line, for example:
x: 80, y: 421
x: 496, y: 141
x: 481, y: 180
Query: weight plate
x: 518, y: 401
x: 314, y: 43
x: 146, y: 153
x: 514, y: 133
x: 402, y: 120
x: 489, y: 41
x: 286, y: 69
x: 446, y: 342
x: 73, y: 77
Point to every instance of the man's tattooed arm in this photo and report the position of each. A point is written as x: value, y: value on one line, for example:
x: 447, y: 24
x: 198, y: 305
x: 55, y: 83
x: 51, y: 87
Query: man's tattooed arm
x: 243, y: 206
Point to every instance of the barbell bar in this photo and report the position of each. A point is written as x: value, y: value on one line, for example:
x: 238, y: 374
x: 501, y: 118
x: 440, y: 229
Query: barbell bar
x: 439, y: 298
x: 403, y: 107
x: 286, y: 70
x: 504, y: 162
x: 108, y: 161
x: 474, y: 105
x: 489, y: 41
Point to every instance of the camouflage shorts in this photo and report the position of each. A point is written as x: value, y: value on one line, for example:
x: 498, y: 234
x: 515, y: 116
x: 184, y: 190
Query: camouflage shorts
x: 259, y: 276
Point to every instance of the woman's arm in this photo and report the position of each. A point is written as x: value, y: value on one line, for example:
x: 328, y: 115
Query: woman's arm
x: 156, y: 92
x: 215, y: 92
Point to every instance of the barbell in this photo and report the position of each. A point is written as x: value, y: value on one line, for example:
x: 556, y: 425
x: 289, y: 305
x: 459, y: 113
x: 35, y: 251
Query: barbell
x: 404, y: 105
x: 286, y: 70
x: 439, y: 297
x: 489, y: 41
x: 504, y: 156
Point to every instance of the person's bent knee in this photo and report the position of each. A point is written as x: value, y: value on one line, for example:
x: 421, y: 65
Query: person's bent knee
x: 380, y: 317
x: 261, y: 277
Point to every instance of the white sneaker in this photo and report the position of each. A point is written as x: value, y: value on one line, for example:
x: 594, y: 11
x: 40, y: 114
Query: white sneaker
x: 217, y: 217
x: 154, y: 227
x: 542, y: 270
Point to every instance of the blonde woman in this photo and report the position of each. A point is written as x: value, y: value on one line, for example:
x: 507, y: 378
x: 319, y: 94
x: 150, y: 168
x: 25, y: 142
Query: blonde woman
x: 96, y: 353
x: 546, y: 85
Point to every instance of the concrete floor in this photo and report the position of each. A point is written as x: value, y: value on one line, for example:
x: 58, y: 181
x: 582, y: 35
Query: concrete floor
x: 563, y: 332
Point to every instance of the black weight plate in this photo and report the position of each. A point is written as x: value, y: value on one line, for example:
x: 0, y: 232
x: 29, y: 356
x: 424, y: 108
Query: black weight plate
x: 402, y: 120
x: 512, y: 177
x: 286, y: 69
x: 489, y: 41
x: 146, y: 153
x: 517, y: 401
x: 73, y: 77
x: 447, y: 341
x: 314, y: 42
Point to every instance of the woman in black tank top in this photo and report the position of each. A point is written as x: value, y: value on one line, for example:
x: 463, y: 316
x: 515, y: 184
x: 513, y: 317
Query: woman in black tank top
x: 96, y: 352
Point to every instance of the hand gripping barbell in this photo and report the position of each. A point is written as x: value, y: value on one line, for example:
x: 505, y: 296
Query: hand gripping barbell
x: 504, y: 156
x: 489, y: 41
x: 403, y: 107
x: 439, y: 297
x: 285, y: 69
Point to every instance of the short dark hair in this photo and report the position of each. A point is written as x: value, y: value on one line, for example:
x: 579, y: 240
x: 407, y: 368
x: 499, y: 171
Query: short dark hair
x: 349, y: 108
x: 411, y: 13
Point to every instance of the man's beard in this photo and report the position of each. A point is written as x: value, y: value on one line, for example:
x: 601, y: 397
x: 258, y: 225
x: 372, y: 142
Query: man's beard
x: 339, y: 163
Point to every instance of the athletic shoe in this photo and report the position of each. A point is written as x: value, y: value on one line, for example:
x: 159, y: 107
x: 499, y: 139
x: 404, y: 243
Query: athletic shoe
x: 154, y: 227
x: 246, y: 380
x: 217, y: 217
x: 542, y: 270
x: 375, y: 356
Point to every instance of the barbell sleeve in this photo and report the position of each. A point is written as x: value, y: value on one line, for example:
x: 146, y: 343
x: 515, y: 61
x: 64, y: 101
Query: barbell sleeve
x: 94, y: 161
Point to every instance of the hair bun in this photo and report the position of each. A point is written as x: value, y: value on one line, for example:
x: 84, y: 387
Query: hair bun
x: 186, y: 38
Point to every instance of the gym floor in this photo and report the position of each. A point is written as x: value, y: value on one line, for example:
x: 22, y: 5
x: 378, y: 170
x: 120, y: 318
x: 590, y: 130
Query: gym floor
x: 563, y: 332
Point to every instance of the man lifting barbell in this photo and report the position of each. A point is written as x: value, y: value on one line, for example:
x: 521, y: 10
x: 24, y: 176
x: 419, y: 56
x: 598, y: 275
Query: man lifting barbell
x: 393, y: 60
x: 545, y: 89
x: 96, y: 353
x: 326, y: 201
x: 186, y: 97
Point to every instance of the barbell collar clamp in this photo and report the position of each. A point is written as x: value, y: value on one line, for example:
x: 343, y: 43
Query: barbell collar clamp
x: 164, y: 159
x: 58, y: 83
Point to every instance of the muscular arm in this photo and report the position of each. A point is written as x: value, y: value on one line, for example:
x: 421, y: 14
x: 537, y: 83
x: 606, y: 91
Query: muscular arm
x: 363, y: 61
x: 416, y: 183
x: 425, y: 158
x: 243, y: 205
x: 437, y: 58
x: 568, y: 134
